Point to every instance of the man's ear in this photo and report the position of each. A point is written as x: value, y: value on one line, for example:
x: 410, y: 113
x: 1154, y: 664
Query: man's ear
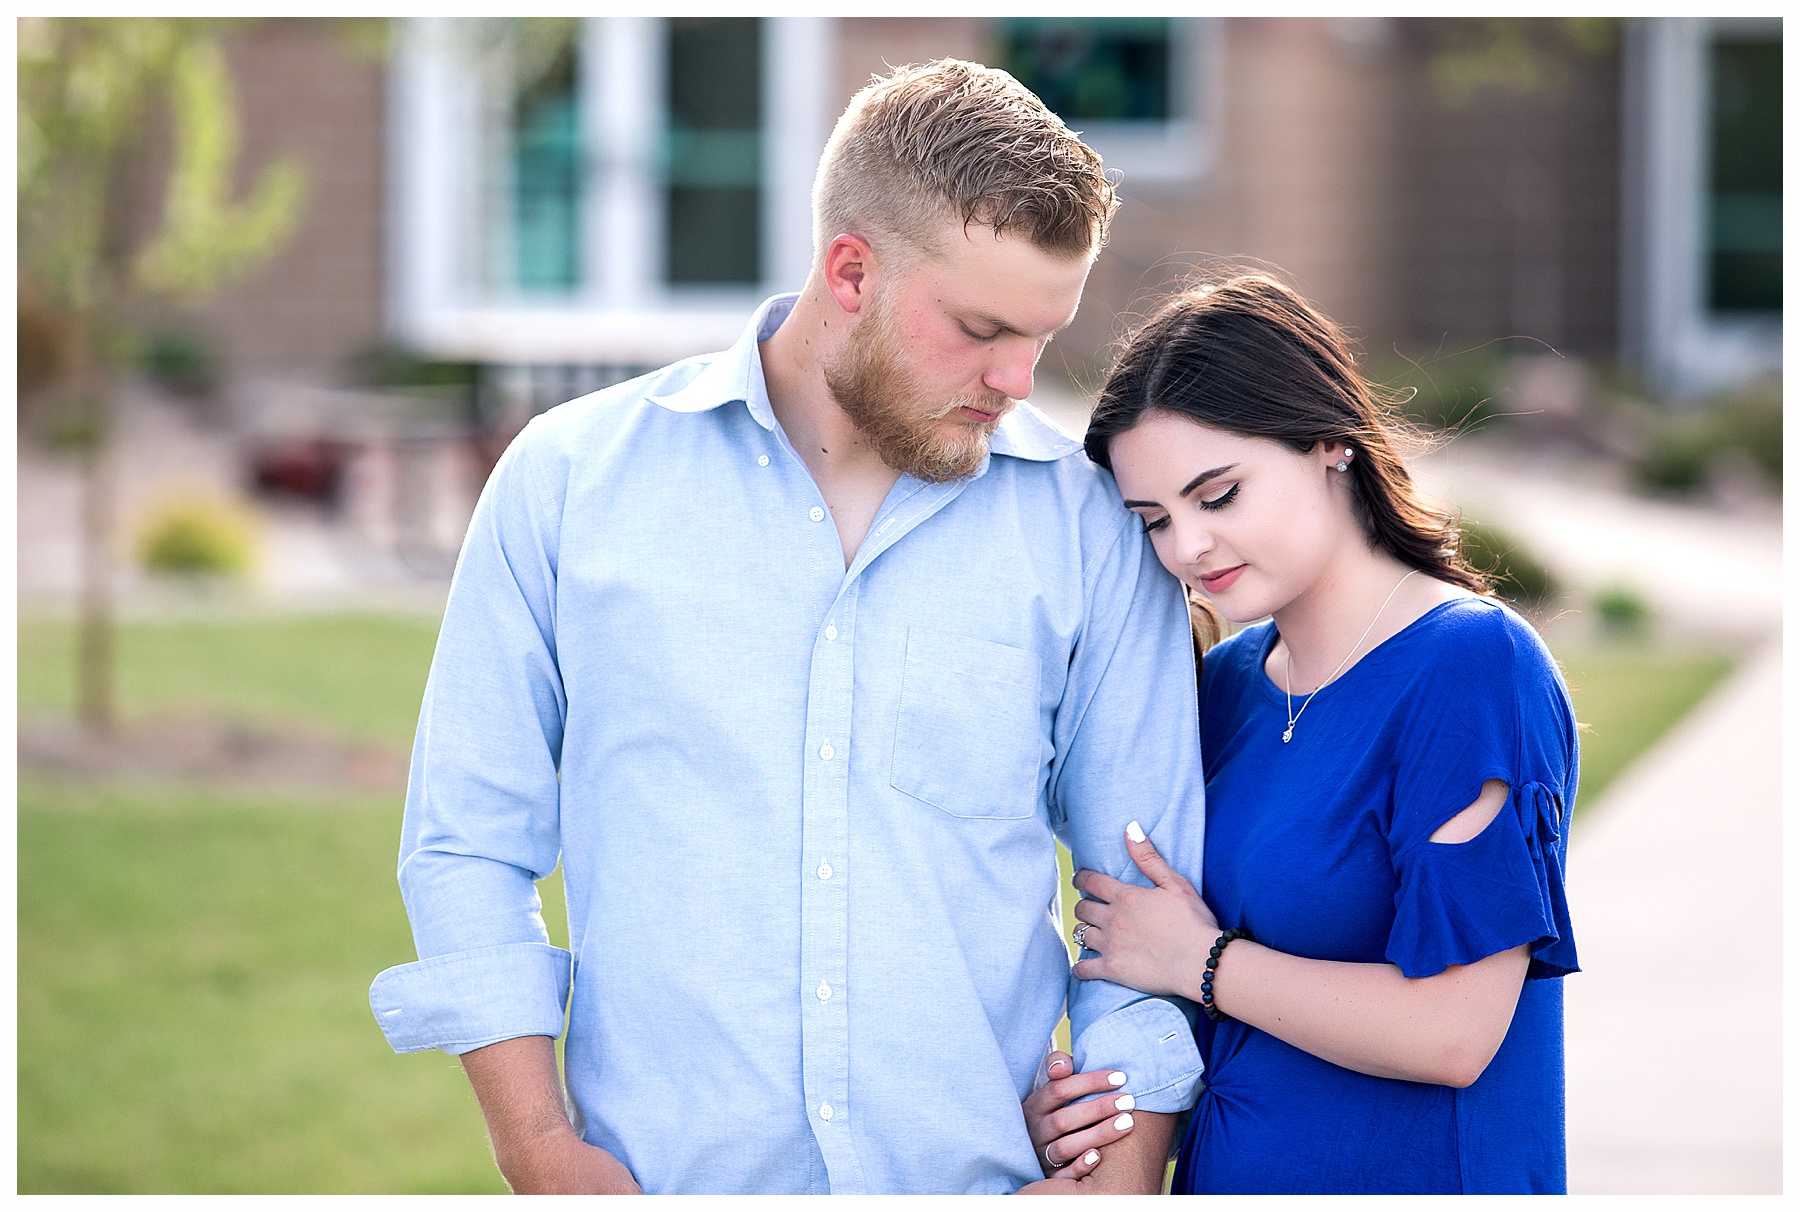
x: 850, y: 271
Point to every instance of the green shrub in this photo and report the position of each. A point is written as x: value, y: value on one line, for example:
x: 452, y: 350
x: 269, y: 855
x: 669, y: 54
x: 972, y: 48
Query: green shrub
x: 1622, y: 611
x: 1686, y: 443
x: 197, y: 536
x: 1518, y: 575
x: 1450, y: 392
x: 185, y: 363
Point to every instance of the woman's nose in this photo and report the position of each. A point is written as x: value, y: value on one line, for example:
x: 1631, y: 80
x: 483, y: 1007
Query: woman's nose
x: 1193, y: 543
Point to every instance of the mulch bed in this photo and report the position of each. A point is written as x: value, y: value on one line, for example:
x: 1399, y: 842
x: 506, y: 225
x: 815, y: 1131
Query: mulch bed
x: 188, y: 750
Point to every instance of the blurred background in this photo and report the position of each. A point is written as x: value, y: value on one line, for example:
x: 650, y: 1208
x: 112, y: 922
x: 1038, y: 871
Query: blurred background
x: 287, y: 287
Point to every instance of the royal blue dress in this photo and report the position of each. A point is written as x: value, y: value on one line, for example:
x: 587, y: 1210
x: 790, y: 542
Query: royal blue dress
x: 1321, y: 847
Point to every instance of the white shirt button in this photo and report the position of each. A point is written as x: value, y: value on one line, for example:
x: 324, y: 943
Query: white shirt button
x: 816, y: 514
x: 831, y: 631
x: 826, y: 751
x: 762, y: 460
x: 824, y: 992
x: 825, y: 1111
x: 824, y: 871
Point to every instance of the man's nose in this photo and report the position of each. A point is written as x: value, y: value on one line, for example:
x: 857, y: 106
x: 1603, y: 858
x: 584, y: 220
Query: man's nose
x: 1011, y: 375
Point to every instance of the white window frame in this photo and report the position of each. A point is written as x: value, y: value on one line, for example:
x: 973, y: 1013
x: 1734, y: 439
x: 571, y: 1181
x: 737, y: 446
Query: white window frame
x: 623, y: 312
x: 1686, y: 348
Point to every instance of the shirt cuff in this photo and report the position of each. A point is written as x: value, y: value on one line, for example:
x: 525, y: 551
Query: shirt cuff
x: 470, y: 999
x: 1152, y: 1041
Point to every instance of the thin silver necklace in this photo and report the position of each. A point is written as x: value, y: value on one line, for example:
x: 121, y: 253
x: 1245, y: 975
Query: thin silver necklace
x: 1287, y: 666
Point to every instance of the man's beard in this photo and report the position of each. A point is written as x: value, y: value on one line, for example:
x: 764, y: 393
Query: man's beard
x: 879, y: 392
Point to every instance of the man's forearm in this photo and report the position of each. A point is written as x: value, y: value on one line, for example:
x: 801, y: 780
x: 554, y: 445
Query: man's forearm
x: 535, y: 1146
x: 519, y: 1091
x: 1135, y: 1164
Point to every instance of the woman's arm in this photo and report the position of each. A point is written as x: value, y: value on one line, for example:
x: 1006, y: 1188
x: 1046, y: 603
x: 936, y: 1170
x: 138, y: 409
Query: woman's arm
x: 1442, y: 1029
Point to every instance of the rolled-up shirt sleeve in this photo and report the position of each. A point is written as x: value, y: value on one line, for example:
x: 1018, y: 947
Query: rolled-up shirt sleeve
x: 482, y: 803
x: 1128, y: 745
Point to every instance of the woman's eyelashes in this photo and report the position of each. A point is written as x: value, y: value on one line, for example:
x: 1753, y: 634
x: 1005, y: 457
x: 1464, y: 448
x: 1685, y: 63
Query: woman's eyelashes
x: 1223, y: 499
x: 1219, y: 502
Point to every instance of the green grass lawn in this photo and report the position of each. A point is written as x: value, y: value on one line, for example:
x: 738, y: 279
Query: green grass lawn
x: 193, y: 1008
x: 1627, y: 697
x: 194, y: 966
x: 357, y: 674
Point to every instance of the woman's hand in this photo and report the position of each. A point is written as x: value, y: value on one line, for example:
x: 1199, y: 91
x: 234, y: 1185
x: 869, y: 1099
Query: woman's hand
x: 1152, y: 939
x: 1066, y: 1135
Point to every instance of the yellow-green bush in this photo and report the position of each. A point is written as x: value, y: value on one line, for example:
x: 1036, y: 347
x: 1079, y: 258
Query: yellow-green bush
x: 198, y: 536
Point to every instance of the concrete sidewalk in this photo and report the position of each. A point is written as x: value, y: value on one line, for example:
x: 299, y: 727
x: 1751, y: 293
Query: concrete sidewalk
x: 1674, y: 1024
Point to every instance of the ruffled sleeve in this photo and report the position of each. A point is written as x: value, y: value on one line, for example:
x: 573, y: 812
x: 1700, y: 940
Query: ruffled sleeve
x: 1489, y: 705
x: 1461, y: 902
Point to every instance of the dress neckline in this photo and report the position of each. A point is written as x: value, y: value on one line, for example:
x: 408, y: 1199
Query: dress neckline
x: 1275, y: 693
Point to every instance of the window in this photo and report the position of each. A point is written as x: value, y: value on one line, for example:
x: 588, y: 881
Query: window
x: 1093, y: 70
x: 601, y: 191
x: 1137, y: 88
x: 714, y: 162
x: 1744, y: 181
x: 543, y: 152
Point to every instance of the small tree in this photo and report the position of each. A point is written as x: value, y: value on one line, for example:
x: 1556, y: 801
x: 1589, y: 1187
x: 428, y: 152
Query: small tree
x: 90, y: 93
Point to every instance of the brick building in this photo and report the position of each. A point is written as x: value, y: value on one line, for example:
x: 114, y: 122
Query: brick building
x: 561, y: 201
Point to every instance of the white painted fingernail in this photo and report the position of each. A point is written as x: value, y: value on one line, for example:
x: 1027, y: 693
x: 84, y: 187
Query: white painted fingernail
x: 1134, y: 831
x: 1124, y: 1103
x: 1090, y: 1157
x: 1122, y: 1123
x: 1116, y: 1079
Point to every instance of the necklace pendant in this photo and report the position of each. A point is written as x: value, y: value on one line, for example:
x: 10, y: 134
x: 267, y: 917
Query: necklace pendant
x: 1288, y: 735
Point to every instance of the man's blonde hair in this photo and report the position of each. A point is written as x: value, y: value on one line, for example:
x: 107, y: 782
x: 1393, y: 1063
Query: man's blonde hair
x: 951, y: 139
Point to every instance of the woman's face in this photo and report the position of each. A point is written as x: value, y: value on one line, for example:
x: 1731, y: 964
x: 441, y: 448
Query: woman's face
x: 1246, y: 521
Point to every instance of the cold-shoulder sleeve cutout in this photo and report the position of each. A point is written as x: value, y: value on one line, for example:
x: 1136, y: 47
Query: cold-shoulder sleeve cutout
x: 1464, y: 901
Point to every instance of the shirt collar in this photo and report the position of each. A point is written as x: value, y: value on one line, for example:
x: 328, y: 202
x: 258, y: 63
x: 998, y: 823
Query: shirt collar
x: 737, y: 375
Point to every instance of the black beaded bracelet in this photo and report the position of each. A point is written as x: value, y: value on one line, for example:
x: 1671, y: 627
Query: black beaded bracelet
x: 1212, y: 965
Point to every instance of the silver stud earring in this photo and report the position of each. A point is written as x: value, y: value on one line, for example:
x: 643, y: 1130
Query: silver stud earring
x: 1343, y: 466
x: 1344, y: 463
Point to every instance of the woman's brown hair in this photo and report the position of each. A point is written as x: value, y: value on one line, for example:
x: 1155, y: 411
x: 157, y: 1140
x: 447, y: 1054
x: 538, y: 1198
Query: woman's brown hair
x: 1248, y: 355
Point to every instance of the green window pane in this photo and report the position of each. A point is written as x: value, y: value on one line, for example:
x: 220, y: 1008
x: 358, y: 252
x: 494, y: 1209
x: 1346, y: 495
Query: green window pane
x: 1744, y: 177
x: 545, y: 148
x: 1099, y: 69
x: 714, y: 152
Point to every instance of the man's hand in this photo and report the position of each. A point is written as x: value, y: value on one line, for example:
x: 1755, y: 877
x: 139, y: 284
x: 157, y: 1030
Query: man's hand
x: 535, y: 1146
x: 564, y: 1164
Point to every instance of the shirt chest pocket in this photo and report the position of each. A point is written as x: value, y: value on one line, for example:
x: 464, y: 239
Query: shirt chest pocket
x: 968, y: 739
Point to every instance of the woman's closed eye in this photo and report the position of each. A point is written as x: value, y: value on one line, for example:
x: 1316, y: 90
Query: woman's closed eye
x: 1152, y: 525
x: 1222, y: 500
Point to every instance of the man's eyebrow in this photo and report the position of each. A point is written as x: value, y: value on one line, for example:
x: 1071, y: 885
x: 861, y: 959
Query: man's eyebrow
x: 1192, y: 484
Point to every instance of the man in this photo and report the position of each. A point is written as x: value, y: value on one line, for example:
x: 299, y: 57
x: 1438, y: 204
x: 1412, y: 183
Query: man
x: 802, y: 655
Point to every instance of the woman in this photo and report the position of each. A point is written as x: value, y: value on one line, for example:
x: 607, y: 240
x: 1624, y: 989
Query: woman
x: 1390, y: 764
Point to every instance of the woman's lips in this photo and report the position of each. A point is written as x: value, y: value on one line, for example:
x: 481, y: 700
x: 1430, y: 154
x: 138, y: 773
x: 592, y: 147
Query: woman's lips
x: 1218, y: 582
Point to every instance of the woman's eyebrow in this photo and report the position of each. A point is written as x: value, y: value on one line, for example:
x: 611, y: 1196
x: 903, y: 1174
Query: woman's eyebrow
x: 1192, y: 484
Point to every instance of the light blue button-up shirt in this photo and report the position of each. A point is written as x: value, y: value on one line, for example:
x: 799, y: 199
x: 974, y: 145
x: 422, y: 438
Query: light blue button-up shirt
x: 806, y: 815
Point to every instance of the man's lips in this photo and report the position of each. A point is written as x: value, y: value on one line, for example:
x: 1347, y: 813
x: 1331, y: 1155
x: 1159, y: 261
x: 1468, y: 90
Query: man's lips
x: 1216, y: 582
x: 979, y: 417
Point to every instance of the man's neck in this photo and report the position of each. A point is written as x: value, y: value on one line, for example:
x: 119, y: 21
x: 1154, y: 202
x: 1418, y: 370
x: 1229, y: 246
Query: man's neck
x: 793, y: 362
x: 850, y: 475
